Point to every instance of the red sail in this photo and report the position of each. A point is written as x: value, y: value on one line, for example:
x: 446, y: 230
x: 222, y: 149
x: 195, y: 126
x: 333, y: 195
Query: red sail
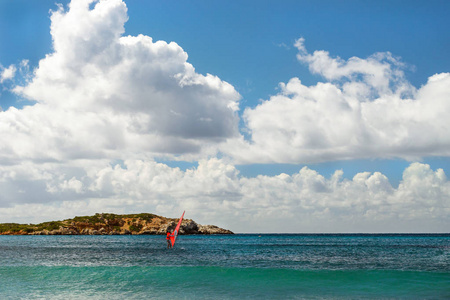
x: 175, y: 232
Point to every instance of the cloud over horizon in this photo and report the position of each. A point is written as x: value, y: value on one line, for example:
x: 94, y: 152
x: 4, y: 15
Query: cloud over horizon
x: 216, y: 193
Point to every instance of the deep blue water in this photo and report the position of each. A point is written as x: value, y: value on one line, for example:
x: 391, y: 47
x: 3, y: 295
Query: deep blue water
x: 226, y: 267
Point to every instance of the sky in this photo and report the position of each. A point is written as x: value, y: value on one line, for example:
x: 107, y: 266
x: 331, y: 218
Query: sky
x: 256, y: 116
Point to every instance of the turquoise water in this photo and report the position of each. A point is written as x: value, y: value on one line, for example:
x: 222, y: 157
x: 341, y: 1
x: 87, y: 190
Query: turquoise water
x: 226, y: 267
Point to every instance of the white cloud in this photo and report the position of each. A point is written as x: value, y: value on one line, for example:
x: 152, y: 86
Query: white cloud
x: 367, y: 110
x: 101, y: 94
x: 214, y: 192
x: 7, y: 73
x: 381, y: 72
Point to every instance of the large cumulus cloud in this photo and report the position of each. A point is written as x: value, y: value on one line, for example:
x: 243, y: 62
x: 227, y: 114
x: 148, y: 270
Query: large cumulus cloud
x: 102, y: 94
x: 364, y: 109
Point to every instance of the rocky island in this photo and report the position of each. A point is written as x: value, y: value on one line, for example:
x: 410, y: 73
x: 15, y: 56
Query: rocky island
x: 111, y: 224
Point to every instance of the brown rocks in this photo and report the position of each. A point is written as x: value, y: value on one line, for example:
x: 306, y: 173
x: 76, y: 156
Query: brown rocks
x: 212, y: 229
x: 189, y: 227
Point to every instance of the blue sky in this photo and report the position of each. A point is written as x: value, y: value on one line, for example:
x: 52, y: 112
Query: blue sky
x: 251, y: 45
x: 242, y: 42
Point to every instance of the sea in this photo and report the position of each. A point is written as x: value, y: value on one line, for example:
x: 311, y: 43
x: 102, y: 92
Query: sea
x: 241, y: 266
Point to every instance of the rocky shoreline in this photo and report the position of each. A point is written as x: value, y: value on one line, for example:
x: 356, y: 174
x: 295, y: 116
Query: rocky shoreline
x: 111, y: 224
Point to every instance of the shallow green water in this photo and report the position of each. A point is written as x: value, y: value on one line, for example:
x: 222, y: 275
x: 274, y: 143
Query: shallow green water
x: 225, y: 267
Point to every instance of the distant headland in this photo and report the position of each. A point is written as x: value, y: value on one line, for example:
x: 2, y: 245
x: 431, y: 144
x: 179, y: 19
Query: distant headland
x: 111, y: 224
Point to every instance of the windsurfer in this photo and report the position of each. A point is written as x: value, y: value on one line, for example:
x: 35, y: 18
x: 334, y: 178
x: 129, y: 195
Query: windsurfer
x: 169, y: 243
x: 172, y: 235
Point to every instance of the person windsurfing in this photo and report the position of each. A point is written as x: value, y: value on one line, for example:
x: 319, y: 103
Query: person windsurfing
x: 169, y: 243
x: 172, y: 235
